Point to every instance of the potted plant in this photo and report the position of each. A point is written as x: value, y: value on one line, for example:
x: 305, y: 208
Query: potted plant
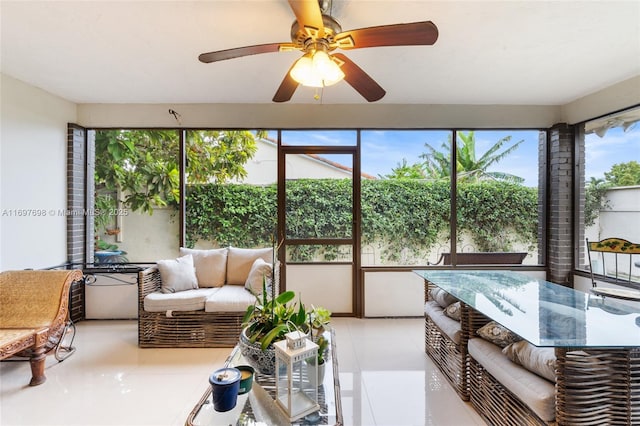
x: 266, y: 321
x: 319, y: 319
x: 104, y: 251
x: 319, y: 360
x: 269, y: 319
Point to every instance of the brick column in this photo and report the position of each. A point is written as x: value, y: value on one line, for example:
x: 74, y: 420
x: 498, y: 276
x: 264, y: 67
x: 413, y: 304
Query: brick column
x: 80, y: 154
x: 560, y: 204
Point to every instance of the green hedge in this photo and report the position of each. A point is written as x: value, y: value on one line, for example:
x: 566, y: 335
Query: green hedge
x: 403, y: 213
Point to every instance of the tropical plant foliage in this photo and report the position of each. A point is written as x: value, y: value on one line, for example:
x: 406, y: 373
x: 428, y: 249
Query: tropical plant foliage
x: 470, y: 166
x: 621, y: 174
x: 143, y: 165
x: 404, y: 214
x: 624, y: 174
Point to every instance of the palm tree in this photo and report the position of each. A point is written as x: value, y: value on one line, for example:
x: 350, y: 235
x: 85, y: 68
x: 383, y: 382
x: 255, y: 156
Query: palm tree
x: 437, y: 164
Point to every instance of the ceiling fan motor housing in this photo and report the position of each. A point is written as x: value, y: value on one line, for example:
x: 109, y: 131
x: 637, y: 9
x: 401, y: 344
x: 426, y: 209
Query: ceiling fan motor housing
x: 303, y: 37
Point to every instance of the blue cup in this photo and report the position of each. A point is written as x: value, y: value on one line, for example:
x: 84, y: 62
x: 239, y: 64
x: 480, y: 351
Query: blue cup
x: 225, y: 384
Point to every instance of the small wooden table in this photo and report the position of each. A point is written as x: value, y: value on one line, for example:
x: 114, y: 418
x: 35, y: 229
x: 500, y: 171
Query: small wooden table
x: 258, y: 405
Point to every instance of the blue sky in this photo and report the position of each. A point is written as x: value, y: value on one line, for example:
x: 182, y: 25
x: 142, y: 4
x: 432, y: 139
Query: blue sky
x: 617, y: 146
x: 382, y: 150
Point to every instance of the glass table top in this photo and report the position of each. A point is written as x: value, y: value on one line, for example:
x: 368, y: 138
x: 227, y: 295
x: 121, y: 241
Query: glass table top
x: 541, y: 312
x: 257, y: 407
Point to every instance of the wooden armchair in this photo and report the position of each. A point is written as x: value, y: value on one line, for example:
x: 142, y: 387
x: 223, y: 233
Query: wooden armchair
x: 34, y: 315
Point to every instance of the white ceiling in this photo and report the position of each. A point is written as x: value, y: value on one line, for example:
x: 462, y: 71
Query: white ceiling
x: 498, y: 52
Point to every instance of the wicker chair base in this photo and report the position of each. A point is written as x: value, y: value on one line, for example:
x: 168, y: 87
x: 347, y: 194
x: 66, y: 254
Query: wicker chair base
x: 599, y: 387
x: 495, y: 403
x: 194, y: 329
x: 450, y: 358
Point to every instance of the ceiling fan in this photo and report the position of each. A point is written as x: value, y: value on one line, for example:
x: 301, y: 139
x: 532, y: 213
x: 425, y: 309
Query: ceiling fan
x: 317, y: 35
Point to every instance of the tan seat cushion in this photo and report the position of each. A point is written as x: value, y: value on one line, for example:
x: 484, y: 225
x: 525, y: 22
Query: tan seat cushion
x: 188, y: 300
x: 211, y: 265
x: 239, y: 262
x: 11, y: 338
x: 448, y: 326
x: 534, y: 391
x: 230, y: 298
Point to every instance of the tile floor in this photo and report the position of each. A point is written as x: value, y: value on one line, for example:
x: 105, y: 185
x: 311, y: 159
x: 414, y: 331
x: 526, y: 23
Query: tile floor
x: 385, y: 376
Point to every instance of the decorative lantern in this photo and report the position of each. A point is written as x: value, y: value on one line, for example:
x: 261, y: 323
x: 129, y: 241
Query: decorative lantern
x: 295, y: 395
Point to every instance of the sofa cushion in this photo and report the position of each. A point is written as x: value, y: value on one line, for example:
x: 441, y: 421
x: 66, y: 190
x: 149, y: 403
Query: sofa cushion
x: 443, y: 298
x: 177, y: 274
x: 260, y: 270
x: 211, y: 265
x: 534, y: 391
x: 451, y: 328
x: 188, y: 300
x: 541, y: 361
x: 239, y: 262
x: 454, y: 311
x: 498, y: 334
x: 230, y: 298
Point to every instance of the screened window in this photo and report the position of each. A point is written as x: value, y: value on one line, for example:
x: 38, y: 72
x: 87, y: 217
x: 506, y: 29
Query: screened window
x: 609, y: 186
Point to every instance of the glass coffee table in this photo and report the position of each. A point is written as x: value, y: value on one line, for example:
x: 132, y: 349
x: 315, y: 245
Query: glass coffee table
x: 257, y: 407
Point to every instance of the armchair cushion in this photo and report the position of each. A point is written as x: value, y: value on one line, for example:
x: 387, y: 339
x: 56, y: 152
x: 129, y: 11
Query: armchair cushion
x: 451, y: 328
x: 497, y: 334
x: 540, y: 361
x: 177, y: 274
x: 211, y: 265
x: 443, y: 298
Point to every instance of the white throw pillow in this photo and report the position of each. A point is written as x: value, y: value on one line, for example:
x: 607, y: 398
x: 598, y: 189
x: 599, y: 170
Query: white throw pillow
x: 541, y: 361
x: 177, y: 274
x: 211, y: 265
x: 260, y: 270
x: 240, y: 261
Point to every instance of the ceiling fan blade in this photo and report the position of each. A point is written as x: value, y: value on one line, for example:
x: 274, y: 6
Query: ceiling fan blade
x: 360, y: 80
x: 238, y: 52
x: 286, y: 89
x: 308, y: 15
x: 413, y: 34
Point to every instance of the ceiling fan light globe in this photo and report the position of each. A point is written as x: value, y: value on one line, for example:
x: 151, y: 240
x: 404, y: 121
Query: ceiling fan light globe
x: 326, y: 68
x: 302, y: 71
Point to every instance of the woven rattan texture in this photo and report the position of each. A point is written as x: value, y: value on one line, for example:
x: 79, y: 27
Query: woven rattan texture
x: 452, y: 359
x: 598, y: 387
x: 496, y: 404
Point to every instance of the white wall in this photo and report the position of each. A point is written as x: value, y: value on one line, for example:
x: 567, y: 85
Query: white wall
x: 619, y: 96
x: 33, y: 151
x: 613, y: 98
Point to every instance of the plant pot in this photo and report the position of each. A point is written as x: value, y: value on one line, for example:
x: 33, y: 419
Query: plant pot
x: 263, y: 361
x: 321, y: 368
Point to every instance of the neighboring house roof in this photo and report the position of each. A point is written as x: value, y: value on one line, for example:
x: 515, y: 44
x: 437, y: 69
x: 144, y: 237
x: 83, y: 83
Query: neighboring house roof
x: 323, y: 160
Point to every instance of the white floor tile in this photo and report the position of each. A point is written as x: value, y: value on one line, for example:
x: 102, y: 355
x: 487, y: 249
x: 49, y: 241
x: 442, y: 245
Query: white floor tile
x: 385, y: 377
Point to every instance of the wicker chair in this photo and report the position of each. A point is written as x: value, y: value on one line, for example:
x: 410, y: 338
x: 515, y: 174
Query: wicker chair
x: 452, y: 358
x: 35, y: 316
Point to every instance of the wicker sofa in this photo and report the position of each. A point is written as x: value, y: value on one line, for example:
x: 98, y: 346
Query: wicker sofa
x: 34, y: 315
x: 209, y: 312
